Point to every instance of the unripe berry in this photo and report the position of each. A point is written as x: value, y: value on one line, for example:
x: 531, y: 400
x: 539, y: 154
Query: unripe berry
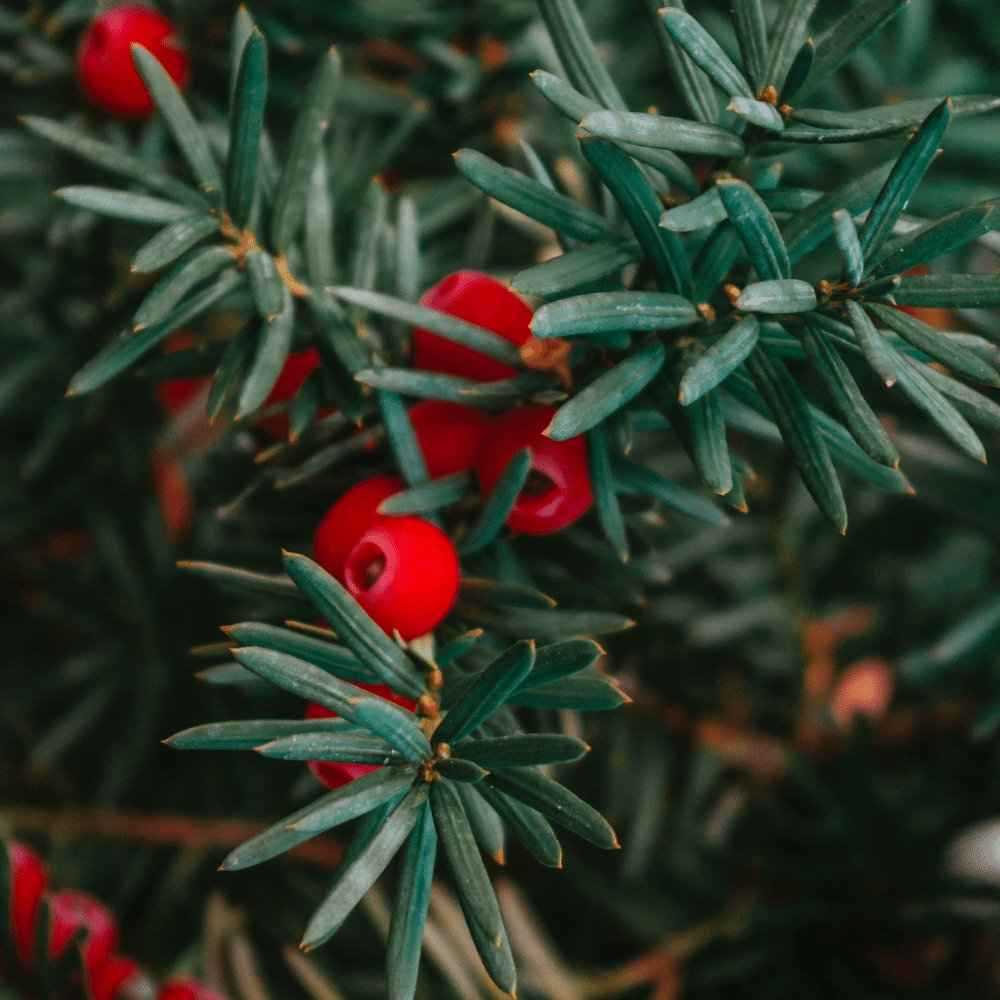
x: 188, y: 989
x: 104, y: 64
x: 476, y: 298
x: 558, y: 491
x: 334, y: 774
x: 449, y: 435
x: 404, y: 572
x: 864, y: 689
x: 108, y: 980
x: 27, y: 883
x: 344, y: 523
x: 71, y: 910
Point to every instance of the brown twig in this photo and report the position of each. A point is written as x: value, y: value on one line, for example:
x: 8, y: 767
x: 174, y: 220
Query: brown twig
x: 194, y: 832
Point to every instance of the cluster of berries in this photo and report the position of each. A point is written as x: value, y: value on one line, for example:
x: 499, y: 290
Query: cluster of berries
x: 74, y: 918
x: 403, y: 570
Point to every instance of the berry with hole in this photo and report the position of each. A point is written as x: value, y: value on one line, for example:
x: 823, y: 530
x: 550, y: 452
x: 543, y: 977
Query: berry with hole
x: 404, y: 573
x: 71, y: 911
x: 344, y: 523
x: 558, y: 490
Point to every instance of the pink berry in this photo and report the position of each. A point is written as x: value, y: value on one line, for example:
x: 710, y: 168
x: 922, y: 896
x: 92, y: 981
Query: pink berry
x: 864, y: 689
x: 69, y: 911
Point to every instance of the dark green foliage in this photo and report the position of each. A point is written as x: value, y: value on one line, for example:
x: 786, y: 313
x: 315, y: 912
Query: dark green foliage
x: 723, y: 265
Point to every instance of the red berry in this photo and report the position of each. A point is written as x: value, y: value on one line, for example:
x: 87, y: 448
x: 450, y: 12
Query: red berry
x: 449, y: 435
x: 344, y: 523
x: 935, y: 316
x: 71, y: 910
x: 175, y: 393
x: 104, y: 64
x: 479, y: 299
x: 188, y: 989
x: 296, y: 369
x: 107, y: 980
x: 404, y: 572
x: 28, y: 881
x: 558, y: 488
x: 173, y: 494
x: 334, y: 774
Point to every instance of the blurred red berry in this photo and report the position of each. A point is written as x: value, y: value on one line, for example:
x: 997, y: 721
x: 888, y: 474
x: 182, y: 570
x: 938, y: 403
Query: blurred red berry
x: 404, y: 572
x: 558, y: 491
x: 105, y: 70
x: 173, y: 494
x: 449, y: 435
x: 174, y: 394
x: 28, y: 881
x: 70, y: 911
x: 107, y: 980
x: 188, y: 989
x: 344, y: 523
x: 476, y: 298
x: 334, y: 774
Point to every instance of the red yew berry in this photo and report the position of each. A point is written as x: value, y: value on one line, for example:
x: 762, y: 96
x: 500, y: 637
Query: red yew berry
x: 69, y: 911
x: 109, y: 979
x: 558, y: 488
x: 935, y: 316
x: 174, y: 394
x: 104, y: 66
x: 28, y: 881
x: 296, y: 369
x: 188, y: 989
x: 334, y: 774
x: 449, y: 435
x: 173, y: 494
x: 344, y: 523
x: 476, y: 298
x: 404, y: 572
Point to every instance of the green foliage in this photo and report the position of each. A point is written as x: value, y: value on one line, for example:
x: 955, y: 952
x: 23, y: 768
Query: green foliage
x: 373, y: 731
x: 726, y: 270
